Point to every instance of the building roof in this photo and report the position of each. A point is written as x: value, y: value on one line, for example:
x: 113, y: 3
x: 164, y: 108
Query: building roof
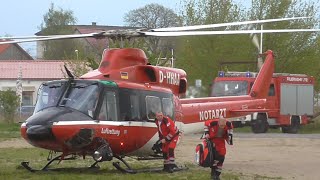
x: 4, y: 47
x: 32, y: 69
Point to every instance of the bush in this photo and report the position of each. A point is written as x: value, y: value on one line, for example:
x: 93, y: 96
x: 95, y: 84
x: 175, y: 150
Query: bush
x: 9, y: 103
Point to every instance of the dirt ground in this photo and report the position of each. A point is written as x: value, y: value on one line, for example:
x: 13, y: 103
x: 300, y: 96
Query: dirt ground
x: 273, y: 155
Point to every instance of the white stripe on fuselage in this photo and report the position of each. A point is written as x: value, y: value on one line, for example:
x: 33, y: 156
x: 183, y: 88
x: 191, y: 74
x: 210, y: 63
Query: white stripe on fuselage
x: 112, y: 123
x: 145, y: 150
x: 185, y: 128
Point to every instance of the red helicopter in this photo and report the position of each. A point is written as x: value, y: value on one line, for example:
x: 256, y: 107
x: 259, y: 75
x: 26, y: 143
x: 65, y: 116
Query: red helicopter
x: 109, y: 112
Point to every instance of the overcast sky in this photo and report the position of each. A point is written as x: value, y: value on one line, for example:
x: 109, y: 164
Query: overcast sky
x: 23, y: 18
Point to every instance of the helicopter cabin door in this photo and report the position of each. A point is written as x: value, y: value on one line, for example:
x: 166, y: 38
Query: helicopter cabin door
x: 110, y: 128
x: 130, y: 119
x: 153, y: 102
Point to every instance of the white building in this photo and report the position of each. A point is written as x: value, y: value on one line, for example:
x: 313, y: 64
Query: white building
x: 33, y: 74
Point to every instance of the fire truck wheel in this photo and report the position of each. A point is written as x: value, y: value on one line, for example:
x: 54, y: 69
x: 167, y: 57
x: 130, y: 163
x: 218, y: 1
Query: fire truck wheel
x: 260, y: 125
x: 294, y: 127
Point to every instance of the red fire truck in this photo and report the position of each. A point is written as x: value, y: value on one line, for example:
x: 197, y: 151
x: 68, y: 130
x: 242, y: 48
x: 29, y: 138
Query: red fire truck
x: 289, y: 103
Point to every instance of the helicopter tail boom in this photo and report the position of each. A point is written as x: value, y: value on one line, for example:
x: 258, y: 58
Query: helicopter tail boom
x: 261, y: 85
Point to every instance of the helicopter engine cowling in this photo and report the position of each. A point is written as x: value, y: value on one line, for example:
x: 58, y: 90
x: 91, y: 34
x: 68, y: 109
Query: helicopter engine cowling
x: 115, y: 59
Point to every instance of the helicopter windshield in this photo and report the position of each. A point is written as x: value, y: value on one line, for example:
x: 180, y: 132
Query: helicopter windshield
x: 104, y: 101
x: 81, y: 96
x: 49, y: 94
x: 229, y: 88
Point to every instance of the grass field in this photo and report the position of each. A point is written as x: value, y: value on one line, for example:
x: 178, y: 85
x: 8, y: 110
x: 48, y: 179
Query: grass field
x: 10, y: 160
x: 8, y: 131
x: 10, y: 168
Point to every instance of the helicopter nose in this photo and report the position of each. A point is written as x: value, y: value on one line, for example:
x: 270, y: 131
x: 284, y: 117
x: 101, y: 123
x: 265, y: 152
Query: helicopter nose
x: 40, y: 133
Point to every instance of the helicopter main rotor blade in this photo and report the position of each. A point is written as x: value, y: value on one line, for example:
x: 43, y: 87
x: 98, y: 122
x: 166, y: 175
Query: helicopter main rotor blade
x: 186, y: 28
x: 199, y: 33
x: 25, y: 37
x: 135, y: 33
x: 57, y: 37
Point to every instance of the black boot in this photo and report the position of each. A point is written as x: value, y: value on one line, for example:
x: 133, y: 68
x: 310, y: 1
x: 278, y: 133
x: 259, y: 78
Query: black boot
x: 175, y: 166
x: 213, y: 173
x: 216, y: 175
x: 167, y: 168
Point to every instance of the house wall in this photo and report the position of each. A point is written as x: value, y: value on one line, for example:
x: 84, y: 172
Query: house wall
x: 13, y: 53
x: 40, y: 50
x: 29, y: 88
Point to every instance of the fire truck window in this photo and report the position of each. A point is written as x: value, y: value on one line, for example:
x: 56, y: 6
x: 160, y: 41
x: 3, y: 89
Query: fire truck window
x: 229, y: 88
x: 167, y: 107
x: 271, y: 90
x: 153, y: 105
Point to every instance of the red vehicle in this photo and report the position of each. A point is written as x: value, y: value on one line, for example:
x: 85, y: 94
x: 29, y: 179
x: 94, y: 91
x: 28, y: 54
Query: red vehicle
x: 109, y: 112
x: 289, y: 102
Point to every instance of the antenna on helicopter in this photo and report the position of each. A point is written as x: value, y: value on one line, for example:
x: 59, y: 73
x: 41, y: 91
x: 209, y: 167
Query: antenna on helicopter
x: 68, y: 72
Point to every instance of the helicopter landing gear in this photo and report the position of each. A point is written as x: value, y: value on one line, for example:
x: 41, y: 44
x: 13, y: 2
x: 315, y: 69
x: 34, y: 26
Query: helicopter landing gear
x: 117, y: 165
x: 25, y: 164
x: 132, y: 171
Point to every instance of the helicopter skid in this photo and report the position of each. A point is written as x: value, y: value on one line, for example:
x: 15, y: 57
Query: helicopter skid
x: 133, y: 171
x: 148, y: 170
x: 25, y: 164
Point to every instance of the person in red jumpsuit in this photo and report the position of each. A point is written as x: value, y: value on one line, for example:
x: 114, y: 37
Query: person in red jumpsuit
x: 218, y: 131
x: 168, y: 135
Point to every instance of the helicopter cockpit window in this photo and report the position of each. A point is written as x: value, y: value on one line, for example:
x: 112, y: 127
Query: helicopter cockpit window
x: 48, y: 95
x: 229, y: 88
x: 167, y: 107
x: 108, y: 110
x: 82, y: 97
x: 153, y: 105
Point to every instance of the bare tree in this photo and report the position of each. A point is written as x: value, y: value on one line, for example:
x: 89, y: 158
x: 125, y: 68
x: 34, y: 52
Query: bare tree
x: 153, y: 16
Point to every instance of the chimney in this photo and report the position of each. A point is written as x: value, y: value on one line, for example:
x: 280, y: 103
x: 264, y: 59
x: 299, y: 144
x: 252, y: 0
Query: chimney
x: 94, y: 23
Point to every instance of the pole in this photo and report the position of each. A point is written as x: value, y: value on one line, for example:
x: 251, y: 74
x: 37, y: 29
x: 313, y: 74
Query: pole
x: 19, y: 88
x: 260, y: 50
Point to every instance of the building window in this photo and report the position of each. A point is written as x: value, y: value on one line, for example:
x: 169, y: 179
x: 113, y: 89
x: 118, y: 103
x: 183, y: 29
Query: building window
x: 27, y: 98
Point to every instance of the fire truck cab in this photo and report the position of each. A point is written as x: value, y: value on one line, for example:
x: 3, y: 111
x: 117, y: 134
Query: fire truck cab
x: 289, y: 103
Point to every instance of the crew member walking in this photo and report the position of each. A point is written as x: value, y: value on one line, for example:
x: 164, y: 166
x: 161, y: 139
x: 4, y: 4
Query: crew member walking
x: 218, y: 131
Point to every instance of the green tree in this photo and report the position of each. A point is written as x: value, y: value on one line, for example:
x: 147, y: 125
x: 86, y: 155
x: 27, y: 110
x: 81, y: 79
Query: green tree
x: 9, y: 103
x: 57, y: 22
x: 154, y: 16
x: 200, y: 56
x: 295, y: 52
